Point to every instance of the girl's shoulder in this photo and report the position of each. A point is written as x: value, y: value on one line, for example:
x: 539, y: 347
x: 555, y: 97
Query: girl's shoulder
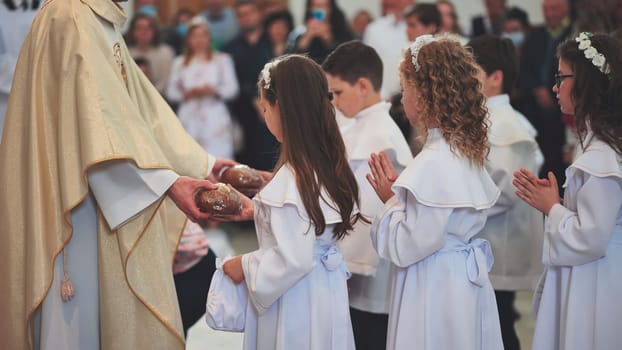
x: 437, y: 177
x: 282, y: 190
x: 597, y: 159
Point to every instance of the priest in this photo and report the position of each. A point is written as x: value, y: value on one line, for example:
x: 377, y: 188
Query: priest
x: 97, y: 174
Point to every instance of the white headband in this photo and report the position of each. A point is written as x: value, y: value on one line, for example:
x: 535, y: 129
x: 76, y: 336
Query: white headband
x: 420, y: 42
x: 265, y: 73
x: 590, y: 52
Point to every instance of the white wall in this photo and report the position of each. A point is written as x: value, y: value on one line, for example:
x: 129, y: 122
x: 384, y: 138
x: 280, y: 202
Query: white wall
x: 465, y: 8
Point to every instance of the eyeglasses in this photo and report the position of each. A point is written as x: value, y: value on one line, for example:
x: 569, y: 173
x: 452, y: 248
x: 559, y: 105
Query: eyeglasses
x: 560, y: 77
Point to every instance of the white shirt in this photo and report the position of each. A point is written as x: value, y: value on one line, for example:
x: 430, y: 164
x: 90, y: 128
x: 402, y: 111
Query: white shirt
x: 387, y: 36
x: 513, y: 228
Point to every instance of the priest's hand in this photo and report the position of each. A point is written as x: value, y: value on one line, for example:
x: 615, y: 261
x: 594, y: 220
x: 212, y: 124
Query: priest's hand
x: 182, y: 192
x: 541, y: 194
x: 233, y: 269
x: 382, y: 176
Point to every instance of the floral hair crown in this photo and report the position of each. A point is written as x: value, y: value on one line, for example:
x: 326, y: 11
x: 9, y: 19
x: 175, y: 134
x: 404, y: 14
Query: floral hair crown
x: 265, y: 73
x: 590, y: 52
x: 420, y: 42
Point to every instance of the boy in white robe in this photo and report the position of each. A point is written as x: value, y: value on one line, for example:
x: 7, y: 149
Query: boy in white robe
x: 578, y: 302
x: 442, y: 297
x: 354, y: 74
x: 514, y: 229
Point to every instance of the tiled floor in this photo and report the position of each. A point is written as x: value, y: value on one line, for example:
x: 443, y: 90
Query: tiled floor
x: 242, y: 238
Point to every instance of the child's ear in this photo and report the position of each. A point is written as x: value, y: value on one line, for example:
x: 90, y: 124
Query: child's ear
x: 364, y: 85
x: 497, y: 77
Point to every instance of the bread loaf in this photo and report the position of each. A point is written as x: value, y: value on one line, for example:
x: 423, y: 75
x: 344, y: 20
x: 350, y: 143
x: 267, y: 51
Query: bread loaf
x: 243, y: 178
x: 220, y: 201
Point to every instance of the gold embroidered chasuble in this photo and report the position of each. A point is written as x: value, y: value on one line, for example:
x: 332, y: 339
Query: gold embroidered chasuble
x: 73, y: 105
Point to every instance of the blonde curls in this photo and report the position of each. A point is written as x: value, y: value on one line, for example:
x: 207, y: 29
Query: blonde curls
x: 450, y: 96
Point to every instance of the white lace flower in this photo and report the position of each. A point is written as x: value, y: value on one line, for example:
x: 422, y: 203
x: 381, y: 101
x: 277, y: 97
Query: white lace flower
x: 599, y: 61
x: 590, y: 52
x: 584, y: 44
x: 265, y: 74
x: 583, y: 36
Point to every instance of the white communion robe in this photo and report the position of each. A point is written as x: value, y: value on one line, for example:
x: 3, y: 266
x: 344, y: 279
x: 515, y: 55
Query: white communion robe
x: 372, y: 130
x: 297, y: 281
x: 514, y: 228
x: 442, y: 297
x: 578, y: 304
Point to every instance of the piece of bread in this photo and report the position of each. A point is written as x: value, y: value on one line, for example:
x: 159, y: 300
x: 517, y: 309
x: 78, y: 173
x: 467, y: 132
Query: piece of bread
x: 243, y: 178
x: 220, y: 201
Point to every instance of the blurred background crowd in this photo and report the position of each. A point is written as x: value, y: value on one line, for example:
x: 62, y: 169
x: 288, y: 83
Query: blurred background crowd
x: 204, y: 56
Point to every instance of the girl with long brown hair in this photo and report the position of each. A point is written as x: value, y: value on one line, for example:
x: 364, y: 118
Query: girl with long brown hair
x: 442, y: 297
x: 579, y: 303
x: 297, y: 278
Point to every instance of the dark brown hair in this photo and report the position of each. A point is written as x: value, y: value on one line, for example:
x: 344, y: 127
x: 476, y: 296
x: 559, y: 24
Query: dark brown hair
x: 426, y: 14
x: 450, y: 95
x: 494, y: 53
x: 353, y: 60
x: 312, y: 144
x: 597, y: 96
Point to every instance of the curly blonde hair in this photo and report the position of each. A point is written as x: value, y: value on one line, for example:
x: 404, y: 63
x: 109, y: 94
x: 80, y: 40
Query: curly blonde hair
x: 450, y: 96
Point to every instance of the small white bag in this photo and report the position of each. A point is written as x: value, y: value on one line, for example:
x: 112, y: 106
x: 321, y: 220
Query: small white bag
x: 226, y: 302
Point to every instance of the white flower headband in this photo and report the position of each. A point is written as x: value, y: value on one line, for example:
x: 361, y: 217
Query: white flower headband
x: 590, y: 52
x: 420, y: 42
x: 265, y: 73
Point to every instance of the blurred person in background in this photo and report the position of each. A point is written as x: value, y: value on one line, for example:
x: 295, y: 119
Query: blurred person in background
x: 144, y: 40
x: 175, y: 34
x: 222, y: 20
x: 278, y: 25
x: 360, y: 21
x: 202, y: 80
x: 325, y: 27
x: 250, y: 51
x: 147, y: 7
x: 449, y: 20
x: 492, y: 21
x: 422, y: 19
x: 391, y: 25
x: 516, y: 27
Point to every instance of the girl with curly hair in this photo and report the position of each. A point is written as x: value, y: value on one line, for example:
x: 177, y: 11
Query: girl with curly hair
x: 578, y: 301
x: 442, y: 297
